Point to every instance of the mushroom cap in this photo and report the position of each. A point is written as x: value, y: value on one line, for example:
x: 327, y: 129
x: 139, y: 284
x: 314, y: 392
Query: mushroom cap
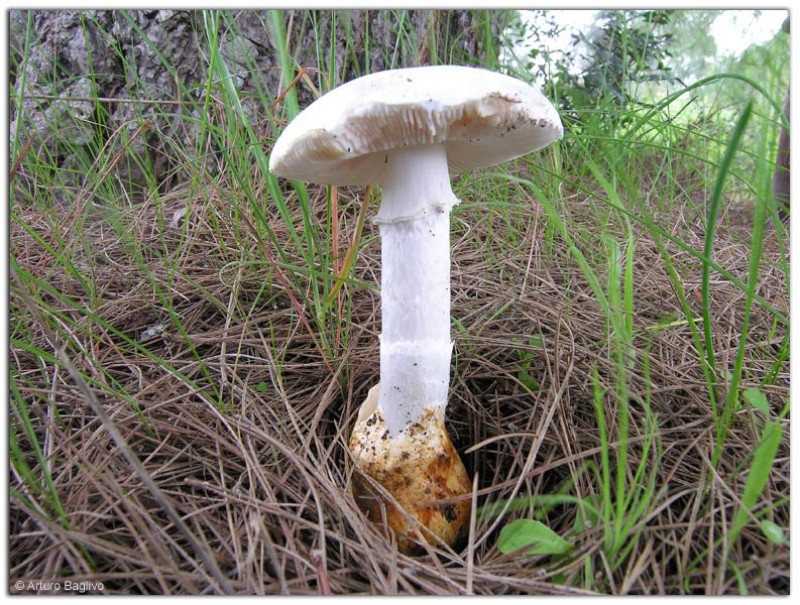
x: 483, y: 118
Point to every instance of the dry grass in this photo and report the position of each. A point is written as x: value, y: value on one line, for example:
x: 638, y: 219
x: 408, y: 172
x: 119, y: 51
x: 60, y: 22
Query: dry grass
x: 261, y: 478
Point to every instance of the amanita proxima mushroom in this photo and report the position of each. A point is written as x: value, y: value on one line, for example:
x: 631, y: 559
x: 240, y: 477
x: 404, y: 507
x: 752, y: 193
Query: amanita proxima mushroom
x: 405, y: 129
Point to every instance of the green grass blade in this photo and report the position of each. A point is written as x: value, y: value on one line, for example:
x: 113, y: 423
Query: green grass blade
x: 757, y: 477
x: 711, y: 225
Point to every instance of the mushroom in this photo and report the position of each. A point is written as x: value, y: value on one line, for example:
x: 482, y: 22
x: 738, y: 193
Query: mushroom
x: 405, y: 130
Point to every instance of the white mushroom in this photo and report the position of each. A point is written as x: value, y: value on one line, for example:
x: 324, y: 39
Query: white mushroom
x: 405, y: 130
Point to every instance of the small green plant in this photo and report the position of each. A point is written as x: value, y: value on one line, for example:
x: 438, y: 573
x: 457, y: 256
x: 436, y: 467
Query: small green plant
x: 530, y: 537
x: 525, y: 358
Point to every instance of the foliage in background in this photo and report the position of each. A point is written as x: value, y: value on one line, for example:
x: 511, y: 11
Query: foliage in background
x: 629, y: 59
x: 603, y: 65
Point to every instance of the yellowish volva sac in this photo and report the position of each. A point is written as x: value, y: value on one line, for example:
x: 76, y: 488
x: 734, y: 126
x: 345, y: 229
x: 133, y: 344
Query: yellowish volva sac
x: 422, y: 471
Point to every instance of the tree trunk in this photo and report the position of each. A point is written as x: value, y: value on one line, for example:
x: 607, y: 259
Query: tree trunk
x: 781, y: 176
x: 94, y: 78
x: 782, y: 173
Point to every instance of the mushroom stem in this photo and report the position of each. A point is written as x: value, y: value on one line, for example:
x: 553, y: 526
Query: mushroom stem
x: 414, y: 221
x: 400, y: 439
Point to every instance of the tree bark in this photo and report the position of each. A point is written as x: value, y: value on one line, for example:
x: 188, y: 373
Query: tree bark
x: 93, y: 78
x: 781, y: 176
